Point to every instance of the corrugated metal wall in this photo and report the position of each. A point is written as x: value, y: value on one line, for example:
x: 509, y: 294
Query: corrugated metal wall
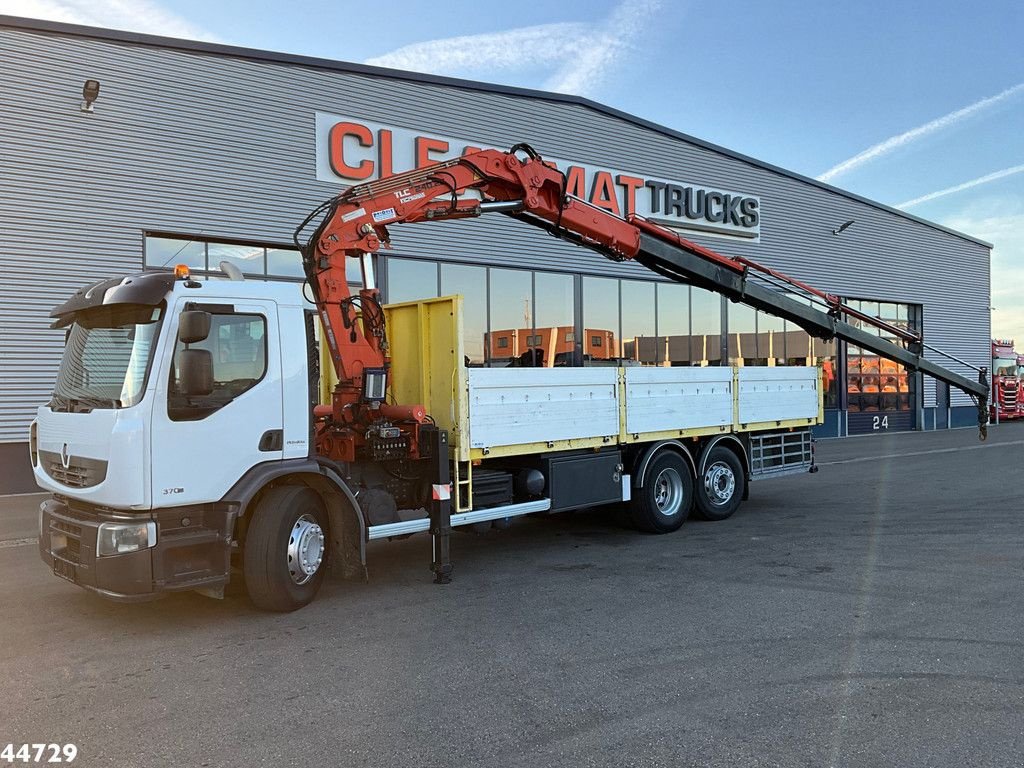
x: 223, y: 147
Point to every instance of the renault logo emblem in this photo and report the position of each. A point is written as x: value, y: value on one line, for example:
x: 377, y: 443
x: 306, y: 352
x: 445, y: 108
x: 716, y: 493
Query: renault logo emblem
x: 65, y: 457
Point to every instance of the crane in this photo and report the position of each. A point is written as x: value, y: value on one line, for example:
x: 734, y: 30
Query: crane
x: 521, y: 184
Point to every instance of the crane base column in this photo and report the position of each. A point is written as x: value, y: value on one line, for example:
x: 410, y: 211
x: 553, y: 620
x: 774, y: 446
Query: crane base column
x: 440, y: 507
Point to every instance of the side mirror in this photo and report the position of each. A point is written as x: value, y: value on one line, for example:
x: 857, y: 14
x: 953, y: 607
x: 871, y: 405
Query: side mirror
x: 193, y: 326
x: 195, y: 372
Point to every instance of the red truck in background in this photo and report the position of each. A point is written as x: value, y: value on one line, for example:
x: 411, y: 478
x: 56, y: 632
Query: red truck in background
x: 1020, y: 385
x: 1007, y: 401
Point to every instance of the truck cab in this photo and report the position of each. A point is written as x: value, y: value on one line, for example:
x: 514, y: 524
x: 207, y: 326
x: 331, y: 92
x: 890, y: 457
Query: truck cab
x: 1006, y: 402
x: 149, y: 433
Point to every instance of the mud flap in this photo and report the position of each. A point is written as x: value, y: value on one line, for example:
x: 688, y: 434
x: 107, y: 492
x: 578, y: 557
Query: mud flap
x: 348, y: 540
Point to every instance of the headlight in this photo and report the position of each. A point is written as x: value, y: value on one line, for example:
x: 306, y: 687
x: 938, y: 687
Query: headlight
x: 120, y: 538
x: 33, y: 444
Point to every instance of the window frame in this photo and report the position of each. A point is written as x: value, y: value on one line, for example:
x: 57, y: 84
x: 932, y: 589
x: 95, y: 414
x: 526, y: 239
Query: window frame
x: 215, y: 310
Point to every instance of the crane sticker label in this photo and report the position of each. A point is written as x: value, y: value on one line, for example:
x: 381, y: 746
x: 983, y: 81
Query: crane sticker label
x: 351, y: 151
x: 382, y: 216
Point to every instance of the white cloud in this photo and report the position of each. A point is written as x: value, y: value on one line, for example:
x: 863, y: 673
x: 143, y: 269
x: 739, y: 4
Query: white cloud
x: 903, y: 139
x: 131, y: 15
x: 581, y: 54
x: 1005, y: 231
x: 966, y: 185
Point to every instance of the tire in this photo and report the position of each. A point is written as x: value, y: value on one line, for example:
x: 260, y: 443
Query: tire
x: 721, y: 486
x: 664, y: 501
x: 286, y: 549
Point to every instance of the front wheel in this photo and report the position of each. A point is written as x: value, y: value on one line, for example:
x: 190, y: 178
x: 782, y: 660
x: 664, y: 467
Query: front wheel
x: 664, y: 501
x: 286, y: 549
x: 721, y: 485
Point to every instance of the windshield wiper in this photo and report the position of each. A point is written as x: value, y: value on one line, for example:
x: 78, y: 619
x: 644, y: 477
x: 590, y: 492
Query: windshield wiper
x: 98, y: 402
x: 57, y: 402
x: 82, y: 404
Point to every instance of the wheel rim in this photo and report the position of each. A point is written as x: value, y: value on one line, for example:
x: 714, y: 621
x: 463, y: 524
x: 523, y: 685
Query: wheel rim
x: 305, y: 549
x: 719, y: 483
x: 668, y: 492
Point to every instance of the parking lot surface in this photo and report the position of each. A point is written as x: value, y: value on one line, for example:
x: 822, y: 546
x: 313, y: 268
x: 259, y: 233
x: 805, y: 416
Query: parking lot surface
x: 868, y: 615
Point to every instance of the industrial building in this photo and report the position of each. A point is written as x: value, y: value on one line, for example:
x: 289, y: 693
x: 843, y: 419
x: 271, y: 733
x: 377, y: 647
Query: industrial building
x: 125, y: 152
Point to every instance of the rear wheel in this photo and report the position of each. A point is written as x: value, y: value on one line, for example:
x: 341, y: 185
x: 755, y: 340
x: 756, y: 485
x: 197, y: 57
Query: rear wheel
x: 286, y: 549
x: 721, y: 485
x: 664, y: 501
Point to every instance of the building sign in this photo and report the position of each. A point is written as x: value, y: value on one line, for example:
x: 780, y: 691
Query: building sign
x: 351, y: 150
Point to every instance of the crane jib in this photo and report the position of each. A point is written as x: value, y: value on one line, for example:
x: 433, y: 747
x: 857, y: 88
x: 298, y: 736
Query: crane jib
x: 672, y: 261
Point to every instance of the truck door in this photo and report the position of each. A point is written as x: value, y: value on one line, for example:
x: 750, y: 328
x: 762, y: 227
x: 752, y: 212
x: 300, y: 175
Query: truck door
x: 202, y: 445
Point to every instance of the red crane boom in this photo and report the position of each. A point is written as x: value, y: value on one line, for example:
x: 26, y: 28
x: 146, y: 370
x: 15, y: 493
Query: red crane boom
x: 355, y: 224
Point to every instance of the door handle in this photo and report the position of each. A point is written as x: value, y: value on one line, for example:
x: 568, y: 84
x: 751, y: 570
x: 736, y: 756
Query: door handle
x: 272, y: 440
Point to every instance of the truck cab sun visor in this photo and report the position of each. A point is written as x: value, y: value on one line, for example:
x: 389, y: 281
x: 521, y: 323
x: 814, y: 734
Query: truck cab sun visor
x: 146, y: 289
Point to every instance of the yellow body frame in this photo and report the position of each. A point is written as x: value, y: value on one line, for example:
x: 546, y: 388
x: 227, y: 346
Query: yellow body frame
x: 428, y: 368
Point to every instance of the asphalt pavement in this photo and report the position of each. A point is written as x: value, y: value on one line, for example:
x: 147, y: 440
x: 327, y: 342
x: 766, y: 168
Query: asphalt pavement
x: 868, y: 615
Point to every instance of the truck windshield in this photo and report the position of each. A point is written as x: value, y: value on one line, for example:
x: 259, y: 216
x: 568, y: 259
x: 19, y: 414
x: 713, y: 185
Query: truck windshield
x: 107, y: 358
x: 1002, y: 366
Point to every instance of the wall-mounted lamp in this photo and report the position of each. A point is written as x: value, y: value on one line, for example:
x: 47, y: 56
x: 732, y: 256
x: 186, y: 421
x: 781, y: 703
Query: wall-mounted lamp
x: 843, y: 227
x: 90, y: 92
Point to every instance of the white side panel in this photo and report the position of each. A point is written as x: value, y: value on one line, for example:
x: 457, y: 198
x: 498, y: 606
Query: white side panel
x: 514, y: 406
x: 294, y: 381
x: 778, y: 394
x: 658, y: 399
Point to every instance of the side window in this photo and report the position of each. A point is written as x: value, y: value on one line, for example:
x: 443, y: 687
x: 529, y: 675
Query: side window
x: 238, y: 353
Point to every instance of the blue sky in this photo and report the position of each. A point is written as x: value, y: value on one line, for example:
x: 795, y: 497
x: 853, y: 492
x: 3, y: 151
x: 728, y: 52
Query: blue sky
x: 896, y: 101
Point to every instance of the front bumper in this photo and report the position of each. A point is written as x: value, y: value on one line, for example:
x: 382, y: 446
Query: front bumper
x: 193, y: 549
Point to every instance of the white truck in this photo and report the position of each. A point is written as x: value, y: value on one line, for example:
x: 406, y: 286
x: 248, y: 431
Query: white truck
x: 185, y: 440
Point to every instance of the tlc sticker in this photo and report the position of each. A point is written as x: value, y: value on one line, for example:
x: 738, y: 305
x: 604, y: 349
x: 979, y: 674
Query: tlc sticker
x: 386, y: 215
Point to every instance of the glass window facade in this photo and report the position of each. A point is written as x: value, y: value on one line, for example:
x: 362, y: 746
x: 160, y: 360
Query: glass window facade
x: 410, y: 279
x: 554, y: 316
x: 875, y: 384
x: 254, y: 260
x: 742, y: 342
x: 250, y: 259
x: 706, y: 327
x: 523, y: 318
x: 672, y: 344
x: 511, y: 317
x: 166, y: 252
x: 600, y: 320
x: 530, y: 318
x: 771, y: 339
x: 471, y: 283
x: 286, y: 262
x: 639, y: 321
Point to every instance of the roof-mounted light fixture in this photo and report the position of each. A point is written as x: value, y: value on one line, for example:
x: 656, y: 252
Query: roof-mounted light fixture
x: 843, y: 227
x: 90, y: 92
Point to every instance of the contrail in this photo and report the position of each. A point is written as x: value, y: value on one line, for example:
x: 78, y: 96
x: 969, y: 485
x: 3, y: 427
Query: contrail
x: 613, y: 40
x: 966, y: 185
x: 510, y: 49
x: 582, y: 54
x: 132, y: 15
x: 895, y: 142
